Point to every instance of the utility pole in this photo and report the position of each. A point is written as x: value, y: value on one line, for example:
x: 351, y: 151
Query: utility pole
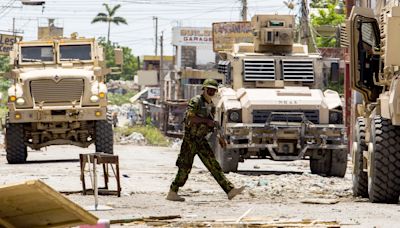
x: 244, y: 10
x: 13, y: 27
x: 162, y: 118
x: 305, y: 33
x: 156, y: 35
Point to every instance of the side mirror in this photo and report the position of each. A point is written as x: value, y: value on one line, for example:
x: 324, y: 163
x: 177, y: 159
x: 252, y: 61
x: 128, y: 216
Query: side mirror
x: 119, y: 56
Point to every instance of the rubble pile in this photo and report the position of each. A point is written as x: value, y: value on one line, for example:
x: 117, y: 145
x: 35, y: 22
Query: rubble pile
x: 294, y: 186
x: 286, y: 187
x: 121, y: 110
x: 134, y: 138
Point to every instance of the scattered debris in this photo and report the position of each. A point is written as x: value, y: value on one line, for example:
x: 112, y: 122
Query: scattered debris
x: 145, y: 219
x: 320, y: 201
x: 134, y: 138
x: 35, y: 204
x: 176, y: 143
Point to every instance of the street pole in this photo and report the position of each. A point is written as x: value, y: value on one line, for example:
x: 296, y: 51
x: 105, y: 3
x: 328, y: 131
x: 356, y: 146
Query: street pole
x: 156, y: 36
x: 305, y: 32
x: 244, y: 10
x: 13, y: 27
x: 162, y: 119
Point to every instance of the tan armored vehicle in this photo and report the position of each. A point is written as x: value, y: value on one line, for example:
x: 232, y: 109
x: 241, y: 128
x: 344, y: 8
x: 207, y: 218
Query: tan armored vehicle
x: 271, y: 106
x: 58, y: 97
x: 375, y: 75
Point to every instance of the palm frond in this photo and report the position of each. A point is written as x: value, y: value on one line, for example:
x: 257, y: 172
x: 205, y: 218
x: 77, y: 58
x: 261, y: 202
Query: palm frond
x: 114, y: 9
x: 99, y: 19
x: 118, y: 20
x: 101, y: 15
x: 107, y: 8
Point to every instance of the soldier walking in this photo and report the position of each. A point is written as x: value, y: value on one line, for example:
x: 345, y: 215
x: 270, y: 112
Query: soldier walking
x: 199, y: 123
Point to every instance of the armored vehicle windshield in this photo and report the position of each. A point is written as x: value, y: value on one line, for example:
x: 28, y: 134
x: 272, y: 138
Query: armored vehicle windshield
x: 37, y: 54
x: 75, y: 52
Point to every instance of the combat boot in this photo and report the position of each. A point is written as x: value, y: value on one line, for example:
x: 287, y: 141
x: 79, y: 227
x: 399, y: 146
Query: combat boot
x: 173, y: 196
x: 234, y: 192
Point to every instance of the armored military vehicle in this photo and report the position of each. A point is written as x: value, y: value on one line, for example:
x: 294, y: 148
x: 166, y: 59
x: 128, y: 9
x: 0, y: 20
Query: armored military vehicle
x: 58, y: 97
x: 375, y: 76
x: 272, y: 105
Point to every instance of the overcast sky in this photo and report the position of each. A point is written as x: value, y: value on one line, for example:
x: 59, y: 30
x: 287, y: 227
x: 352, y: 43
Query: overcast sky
x: 76, y: 15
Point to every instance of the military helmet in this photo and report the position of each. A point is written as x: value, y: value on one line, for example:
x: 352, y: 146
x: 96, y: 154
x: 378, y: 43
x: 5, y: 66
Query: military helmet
x: 210, y: 83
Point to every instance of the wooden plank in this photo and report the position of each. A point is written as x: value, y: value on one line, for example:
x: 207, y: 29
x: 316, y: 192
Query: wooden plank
x: 35, y: 204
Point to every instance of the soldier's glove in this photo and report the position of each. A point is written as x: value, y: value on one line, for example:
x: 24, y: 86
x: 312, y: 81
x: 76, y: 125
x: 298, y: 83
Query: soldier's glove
x: 222, y: 142
x: 211, y: 123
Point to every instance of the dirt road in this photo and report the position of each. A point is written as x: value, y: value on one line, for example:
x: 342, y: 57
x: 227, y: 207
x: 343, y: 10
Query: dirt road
x: 146, y: 173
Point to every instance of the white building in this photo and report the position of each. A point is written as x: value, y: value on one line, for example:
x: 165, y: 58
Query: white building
x: 192, y: 46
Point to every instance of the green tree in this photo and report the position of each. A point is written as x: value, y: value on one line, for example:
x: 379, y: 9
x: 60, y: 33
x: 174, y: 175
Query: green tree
x: 321, y: 3
x: 327, y: 16
x: 109, y: 17
x: 4, y: 67
x: 130, y: 65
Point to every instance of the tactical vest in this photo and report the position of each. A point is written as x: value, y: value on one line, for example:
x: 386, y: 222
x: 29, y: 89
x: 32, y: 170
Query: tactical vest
x: 205, y: 110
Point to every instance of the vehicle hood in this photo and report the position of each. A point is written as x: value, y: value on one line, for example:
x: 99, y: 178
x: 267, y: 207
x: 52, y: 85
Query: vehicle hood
x: 55, y: 73
x: 286, y: 98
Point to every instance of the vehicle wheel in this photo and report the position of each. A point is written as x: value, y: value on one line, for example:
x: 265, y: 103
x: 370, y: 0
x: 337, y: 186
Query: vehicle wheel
x: 104, y: 137
x: 227, y: 159
x: 360, y: 178
x: 320, y: 162
x: 384, y: 162
x: 15, y: 146
x: 338, y: 163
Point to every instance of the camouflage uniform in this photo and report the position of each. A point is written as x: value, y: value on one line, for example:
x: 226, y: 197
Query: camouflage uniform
x: 194, y: 142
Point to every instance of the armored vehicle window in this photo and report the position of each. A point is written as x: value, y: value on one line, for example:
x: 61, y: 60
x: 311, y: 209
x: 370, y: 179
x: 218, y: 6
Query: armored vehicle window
x: 75, y: 52
x: 368, y: 35
x: 37, y: 54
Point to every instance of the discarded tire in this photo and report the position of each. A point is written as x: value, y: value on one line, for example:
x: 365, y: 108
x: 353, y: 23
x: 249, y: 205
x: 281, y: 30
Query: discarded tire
x: 384, y: 162
x: 104, y: 137
x: 329, y: 162
x: 15, y: 148
x: 227, y: 159
x: 360, y: 178
x: 338, y: 163
x: 320, y: 161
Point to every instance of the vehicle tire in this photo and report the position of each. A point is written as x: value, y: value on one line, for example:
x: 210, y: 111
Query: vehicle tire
x: 104, y: 140
x: 360, y: 178
x: 320, y: 162
x: 15, y: 147
x: 384, y: 162
x: 227, y: 159
x: 338, y: 163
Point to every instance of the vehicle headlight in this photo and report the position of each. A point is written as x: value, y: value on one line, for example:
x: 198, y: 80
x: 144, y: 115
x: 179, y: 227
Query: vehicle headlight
x: 99, y: 89
x: 20, y: 101
x: 234, y: 116
x: 335, y: 117
x: 94, y: 98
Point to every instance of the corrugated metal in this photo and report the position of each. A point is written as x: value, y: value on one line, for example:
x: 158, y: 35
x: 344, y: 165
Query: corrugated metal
x: 298, y: 70
x: 50, y: 91
x: 259, y: 69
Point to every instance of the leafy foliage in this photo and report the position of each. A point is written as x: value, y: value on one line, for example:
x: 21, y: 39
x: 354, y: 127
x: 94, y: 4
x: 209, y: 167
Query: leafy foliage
x: 321, y: 3
x: 327, y: 16
x: 152, y: 134
x: 109, y: 18
x: 119, y: 99
x: 337, y: 86
x: 4, y: 83
x: 130, y: 65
